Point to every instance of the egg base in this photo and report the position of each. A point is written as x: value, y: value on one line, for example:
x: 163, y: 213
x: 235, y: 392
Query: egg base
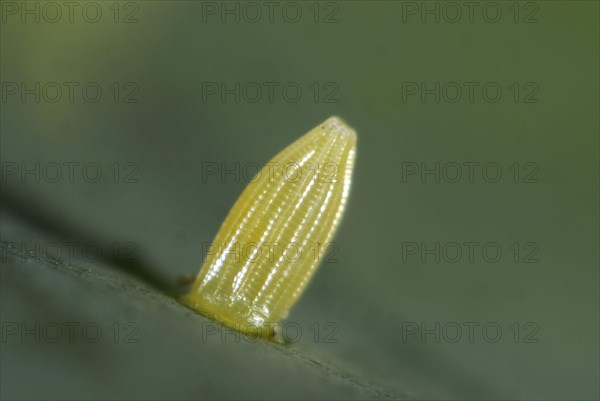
x: 270, y: 330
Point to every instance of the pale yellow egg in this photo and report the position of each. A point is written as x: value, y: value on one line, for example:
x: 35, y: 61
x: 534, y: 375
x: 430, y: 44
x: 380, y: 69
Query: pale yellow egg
x: 275, y: 236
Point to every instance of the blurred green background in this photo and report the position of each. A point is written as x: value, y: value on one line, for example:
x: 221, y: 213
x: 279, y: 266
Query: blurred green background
x: 158, y: 63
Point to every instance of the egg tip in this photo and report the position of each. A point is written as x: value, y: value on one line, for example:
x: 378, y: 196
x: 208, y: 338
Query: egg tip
x: 336, y: 125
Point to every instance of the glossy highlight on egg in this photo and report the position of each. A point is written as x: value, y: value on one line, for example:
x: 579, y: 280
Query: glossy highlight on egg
x: 276, y: 234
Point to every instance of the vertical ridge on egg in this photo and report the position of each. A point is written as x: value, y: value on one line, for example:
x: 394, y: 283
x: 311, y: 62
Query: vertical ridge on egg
x: 274, y: 237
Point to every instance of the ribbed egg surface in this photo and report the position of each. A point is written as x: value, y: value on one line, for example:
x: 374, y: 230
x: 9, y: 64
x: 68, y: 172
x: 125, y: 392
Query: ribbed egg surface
x: 277, y: 232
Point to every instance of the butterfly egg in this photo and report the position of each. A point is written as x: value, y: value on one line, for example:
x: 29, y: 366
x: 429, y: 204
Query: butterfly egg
x: 274, y: 237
